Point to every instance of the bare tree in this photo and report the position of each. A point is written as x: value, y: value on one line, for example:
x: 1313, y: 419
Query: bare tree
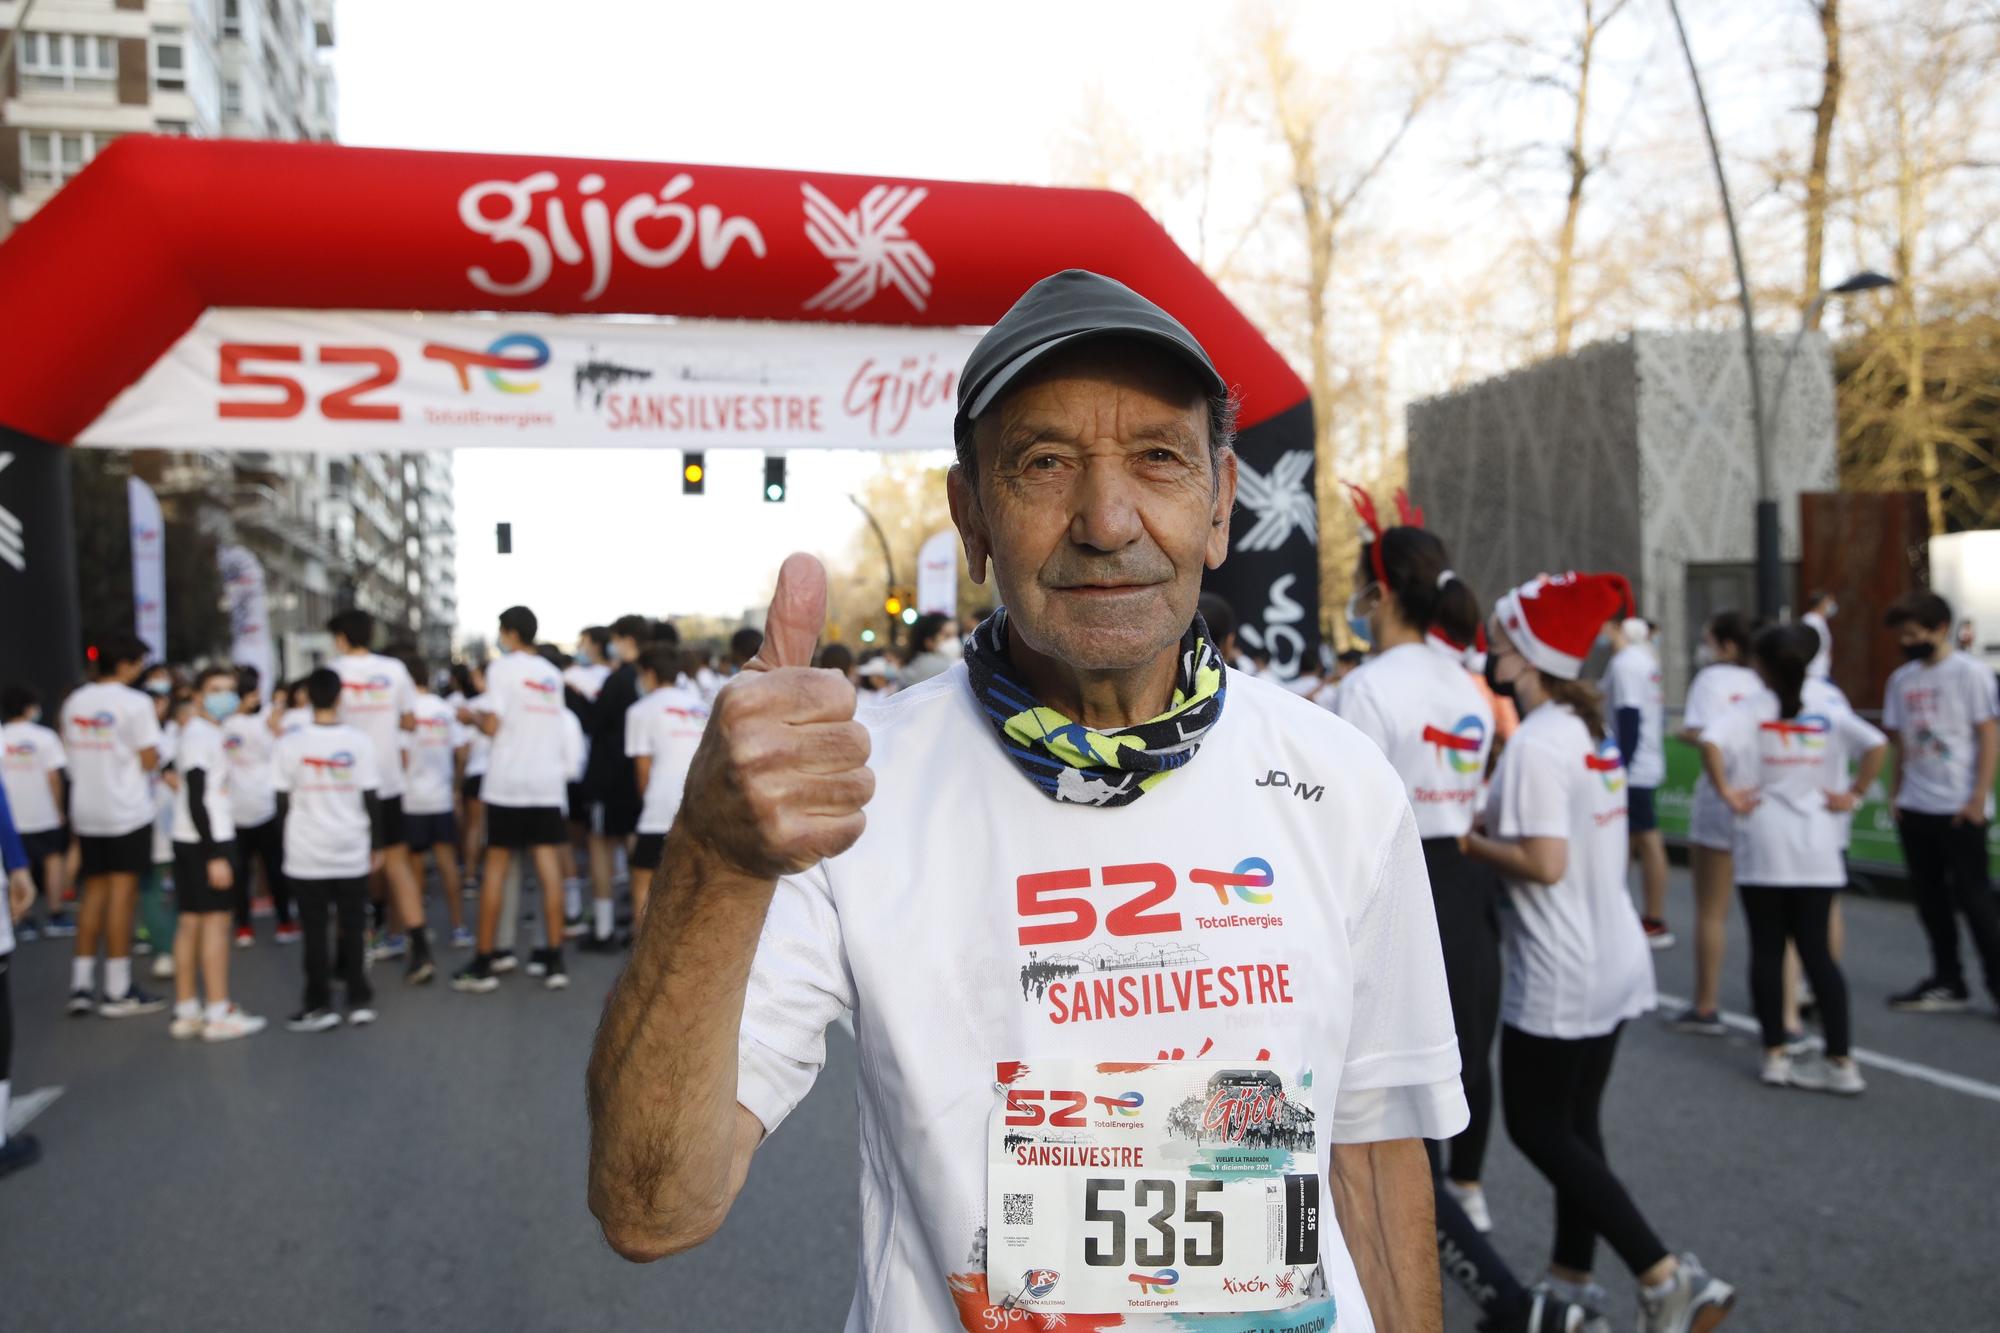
x: 1595, y: 14
x: 1824, y: 112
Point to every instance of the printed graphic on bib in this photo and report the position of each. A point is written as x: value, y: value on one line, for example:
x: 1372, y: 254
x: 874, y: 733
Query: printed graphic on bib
x: 1128, y: 1189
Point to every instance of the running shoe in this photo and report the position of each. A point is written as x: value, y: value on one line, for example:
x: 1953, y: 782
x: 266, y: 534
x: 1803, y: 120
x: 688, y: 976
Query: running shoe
x: 1777, y: 1071
x: 574, y: 926
x: 27, y: 932
x: 1822, y: 1075
x: 185, y: 1026
x: 313, y: 1020
x: 420, y: 973
x: 245, y: 937
x: 361, y: 1017
x: 599, y: 944
x: 1931, y: 996
x: 1693, y: 1302
x: 476, y: 977
x: 59, y: 926
x: 538, y: 963
x: 288, y: 933
x: 1472, y: 1199
x: 388, y: 946
x: 19, y: 1151
x: 1587, y: 1297
x: 133, y: 1003
x: 163, y: 967
x: 231, y: 1026
x: 1800, y: 1044
x: 502, y: 960
x: 556, y: 978
x: 1693, y: 1020
x: 1657, y: 933
x: 80, y: 1003
x: 461, y: 938
x: 1545, y: 1312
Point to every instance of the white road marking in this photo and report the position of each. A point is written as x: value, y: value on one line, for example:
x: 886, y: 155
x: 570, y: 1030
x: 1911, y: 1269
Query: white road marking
x: 1942, y: 1078
x: 27, y: 1106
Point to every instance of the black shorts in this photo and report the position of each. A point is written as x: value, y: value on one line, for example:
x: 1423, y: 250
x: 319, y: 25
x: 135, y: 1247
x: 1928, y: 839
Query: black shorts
x: 579, y: 805
x: 614, y: 819
x: 470, y: 787
x: 191, y: 890
x: 126, y: 854
x: 1640, y: 817
x: 647, y: 851
x: 428, y: 831
x: 395, y: 825
x: 516, y: 826
x: 41, y: 846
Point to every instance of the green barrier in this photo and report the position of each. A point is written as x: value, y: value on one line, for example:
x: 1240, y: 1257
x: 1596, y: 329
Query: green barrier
x: 1874, y: 845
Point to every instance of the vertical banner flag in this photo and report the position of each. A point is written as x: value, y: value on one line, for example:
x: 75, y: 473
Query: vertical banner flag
x: 937, y: 574
x: 149, y: 567
x: 249, y: 619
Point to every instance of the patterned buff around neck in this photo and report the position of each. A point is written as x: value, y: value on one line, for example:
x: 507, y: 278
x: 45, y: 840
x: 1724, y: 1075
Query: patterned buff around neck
x: 1074, y: 764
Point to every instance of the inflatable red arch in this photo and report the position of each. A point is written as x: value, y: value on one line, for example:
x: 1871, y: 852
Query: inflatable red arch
x: 122, y: 261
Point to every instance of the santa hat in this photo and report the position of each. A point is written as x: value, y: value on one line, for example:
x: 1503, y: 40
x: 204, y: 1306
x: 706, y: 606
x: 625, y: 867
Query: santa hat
x: 1553, y: 619
x: 1472, y: 656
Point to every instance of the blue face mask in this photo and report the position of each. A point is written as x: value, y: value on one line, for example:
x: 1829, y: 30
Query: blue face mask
x: 1357, y: 624
x: 222, y: 704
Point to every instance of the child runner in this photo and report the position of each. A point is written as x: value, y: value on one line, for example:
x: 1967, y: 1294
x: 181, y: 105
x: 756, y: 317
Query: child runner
x: 436, y: 754
x: 32, y: 774
x: 247, y: 739
x: 1725, y: 680
x: 1638, y: 716
x: 326, y: 779
x: 662, y: 731
x: 1577, y: 963
x: 1783, y: 770
x: 204, y: 836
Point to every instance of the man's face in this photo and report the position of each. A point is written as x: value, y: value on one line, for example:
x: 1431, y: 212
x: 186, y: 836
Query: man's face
x: 1094, y: 498
x: 1912, y: 635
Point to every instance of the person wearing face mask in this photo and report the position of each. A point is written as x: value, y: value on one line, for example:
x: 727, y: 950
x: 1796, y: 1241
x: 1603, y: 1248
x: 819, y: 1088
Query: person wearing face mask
x: 1637, y: 709
x: 1577, y: 965
x: 1940, y: 709
x: 1819, y: 611
x: 1725, y: 680
x: 204, y: 837
x: 610, y: 788
x: 247, y: 739
x: 32, y: 775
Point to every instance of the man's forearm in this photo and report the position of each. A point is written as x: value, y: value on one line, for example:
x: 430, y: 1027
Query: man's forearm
x: 665, y: 1126
x: 1382, y: 1196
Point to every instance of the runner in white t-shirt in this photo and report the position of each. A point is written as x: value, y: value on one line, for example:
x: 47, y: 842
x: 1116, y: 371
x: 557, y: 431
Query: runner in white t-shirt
x: 32, y: 773
x: 204, y: 837
x: 1820, y: 611
x: 662, y: 731
x: 111, y: 735
x: 1636, y: 708
x: 469, y: 682
x: 434, y: 755
x: 248, y: 738
x: 326, y: 777
x: 378, y: 698
x: 1783, y: 770
x: 1724, y: 680
x: 536, y: 753
x: 1085, y: 922
x: 1941, y: 709
x: 1578, y: 968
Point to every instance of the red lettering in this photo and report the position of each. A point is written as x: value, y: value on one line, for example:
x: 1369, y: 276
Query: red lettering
x: 1024, y: 1106
x: 1133, y: 917
x: 1072, y: 1116
x: 1284, y: 983
x: 229, y: 371
x: 1032, y: 898
x: 1264, y: 983
x: 1104, y: 995
x: 341, y: 404
x: 1202, y: 986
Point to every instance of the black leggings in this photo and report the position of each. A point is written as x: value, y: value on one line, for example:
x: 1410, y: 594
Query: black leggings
x: 1551, y: 1089
x: 1799, y: 915
x: 349, y: 899
x: 1948, y: 875
x: 1467, y: 898
x: 265, y: 842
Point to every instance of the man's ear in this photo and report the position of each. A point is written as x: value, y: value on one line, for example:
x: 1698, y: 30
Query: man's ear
x: 970, y: 520
x: 1225, y: 506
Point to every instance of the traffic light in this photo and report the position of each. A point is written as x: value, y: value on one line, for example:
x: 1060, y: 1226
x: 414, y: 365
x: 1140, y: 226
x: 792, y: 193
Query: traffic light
x: 774, y: 478
x: 694, y: 473
x: 503, y: 535
x: 893, y: 605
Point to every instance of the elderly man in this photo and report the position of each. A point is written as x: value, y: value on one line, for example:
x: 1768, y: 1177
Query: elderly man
x: 1141, y: 956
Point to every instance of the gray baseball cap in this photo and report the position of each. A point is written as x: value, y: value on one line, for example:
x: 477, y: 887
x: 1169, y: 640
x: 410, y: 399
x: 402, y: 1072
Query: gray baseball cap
x: 1064, y: 308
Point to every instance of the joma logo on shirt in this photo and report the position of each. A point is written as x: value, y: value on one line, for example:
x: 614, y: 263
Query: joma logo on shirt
x: 1277, y: 777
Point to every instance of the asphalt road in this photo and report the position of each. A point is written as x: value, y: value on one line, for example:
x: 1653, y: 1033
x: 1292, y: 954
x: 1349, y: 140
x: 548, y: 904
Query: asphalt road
x: 429, y: 1173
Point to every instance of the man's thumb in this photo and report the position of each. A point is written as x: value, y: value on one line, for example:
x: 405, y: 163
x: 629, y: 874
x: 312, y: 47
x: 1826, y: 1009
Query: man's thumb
x: 797, y: 614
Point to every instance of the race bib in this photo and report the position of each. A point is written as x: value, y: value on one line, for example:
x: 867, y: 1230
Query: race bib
x: 1140, y: 1188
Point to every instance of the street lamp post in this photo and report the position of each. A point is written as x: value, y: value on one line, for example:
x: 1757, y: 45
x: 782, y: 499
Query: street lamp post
x: 888, y: 561
x: 1865, y: 281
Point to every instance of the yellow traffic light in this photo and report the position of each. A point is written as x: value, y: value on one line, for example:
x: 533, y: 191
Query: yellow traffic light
x: 894, y: 606
x: 693, y: 472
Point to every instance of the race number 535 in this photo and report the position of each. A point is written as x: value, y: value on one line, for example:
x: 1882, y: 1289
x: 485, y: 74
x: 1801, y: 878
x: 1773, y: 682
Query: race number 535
x: 1155, y: 1239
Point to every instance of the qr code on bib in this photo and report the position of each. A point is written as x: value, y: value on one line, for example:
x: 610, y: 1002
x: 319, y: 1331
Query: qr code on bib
x: 1017, y: 1210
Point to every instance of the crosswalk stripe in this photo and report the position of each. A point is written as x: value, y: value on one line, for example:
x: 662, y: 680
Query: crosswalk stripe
x: 27, y: 1106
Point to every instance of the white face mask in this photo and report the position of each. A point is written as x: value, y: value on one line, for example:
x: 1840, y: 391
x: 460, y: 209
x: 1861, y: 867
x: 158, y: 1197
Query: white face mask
x: 1704, y: 655
x: 1832, y: 610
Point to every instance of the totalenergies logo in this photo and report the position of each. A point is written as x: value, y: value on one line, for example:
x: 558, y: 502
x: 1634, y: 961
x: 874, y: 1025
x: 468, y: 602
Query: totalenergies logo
x: 232, y: 743
x: 1251, y: 874
x: 541, y: 686
x: 1125, y: 1104
x: 332, y: 766
x: 1807, y: 731
x: 1161, y: 1283
x: 373, y: 685
x: 20, y: 751
x: 95, y: 722
x: 1460, y: 746
x: 515, y: 353
x: 1607, y: 764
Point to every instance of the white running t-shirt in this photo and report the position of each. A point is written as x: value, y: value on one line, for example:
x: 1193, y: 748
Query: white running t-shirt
x: 1424, y: 714
x: 978, y: 922
x: 1791, y: 839
x: 1715, y: 689
x: 666, y: 726
x: 104, y: 726
x: 432, y: 750
x: 324, y: 771
x: 586, y: 678
x: 531, y: 759
x: 376, y: 694
x: 32, y: 752
x: 200, y: 748
x: 1577, y: 961
x: 1935, y: 709
x: 247, y: 743
x: 1821, y: 665
x: 1632, y: 680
